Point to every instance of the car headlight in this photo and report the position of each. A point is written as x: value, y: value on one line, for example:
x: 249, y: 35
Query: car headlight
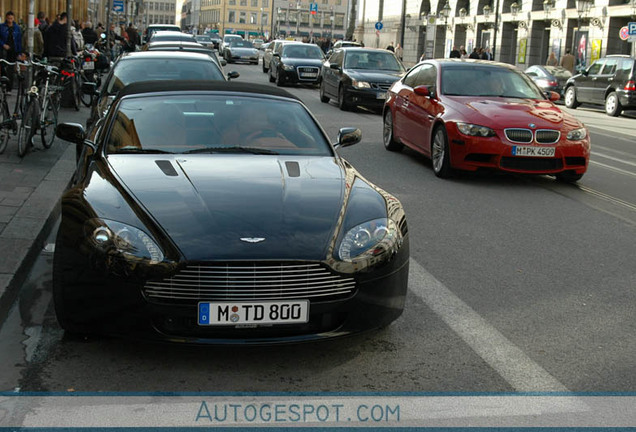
x: 577, y: 134
x: 475, y: 130
x: 288, y: 67
x: 368, y: 239
x: 360, y: 84
x: 129, y: 242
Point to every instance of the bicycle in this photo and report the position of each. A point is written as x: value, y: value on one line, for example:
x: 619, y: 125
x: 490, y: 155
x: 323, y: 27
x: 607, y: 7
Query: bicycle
x: 8, y: 121
x: 40, y: 112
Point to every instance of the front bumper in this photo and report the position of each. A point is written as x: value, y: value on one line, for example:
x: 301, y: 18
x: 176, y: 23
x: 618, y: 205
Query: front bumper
x: 374, y: 98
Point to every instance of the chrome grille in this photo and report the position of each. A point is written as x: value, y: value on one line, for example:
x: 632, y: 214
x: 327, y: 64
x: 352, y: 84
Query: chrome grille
x: 547, y: 136
x: 519, y: 135
x: 381, y: 86
x: 306, y: 69
x: 251, y: 281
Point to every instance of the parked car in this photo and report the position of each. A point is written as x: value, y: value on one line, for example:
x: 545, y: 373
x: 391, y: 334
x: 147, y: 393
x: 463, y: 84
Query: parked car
x: 610, y: 81
x: 241, y: 51
x: 343, y: 44
x: 221, y: 213
x: 296, y: 63
x: 206, y: 41
x: 549, y: 78
x: 154, y: 66
x: 472, y: 114
x: 359, y: 76
x: 185, y: 47
x: 268, y: 53
x: 171, y: 36
x: 148, y: 32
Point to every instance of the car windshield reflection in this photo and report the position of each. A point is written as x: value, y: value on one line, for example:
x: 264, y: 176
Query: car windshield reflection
x: 373, y: 61
x: 214, y: 124
x: 487, y: 82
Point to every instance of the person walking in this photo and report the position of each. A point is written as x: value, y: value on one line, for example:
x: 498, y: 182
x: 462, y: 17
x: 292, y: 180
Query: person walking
x: 568, y: 61
x: 133, y: 36
x: 552, y: 60
x: 11, y: 42
x: 55, y: 39
x: 399, y: 52
x: 455, y: 53
x: 90, y: 36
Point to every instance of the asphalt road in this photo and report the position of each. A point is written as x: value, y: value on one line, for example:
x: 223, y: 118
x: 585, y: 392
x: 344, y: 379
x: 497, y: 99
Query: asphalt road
x: 517, y: 284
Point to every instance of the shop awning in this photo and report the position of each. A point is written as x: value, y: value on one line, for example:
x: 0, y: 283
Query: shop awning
x: 254, y: 33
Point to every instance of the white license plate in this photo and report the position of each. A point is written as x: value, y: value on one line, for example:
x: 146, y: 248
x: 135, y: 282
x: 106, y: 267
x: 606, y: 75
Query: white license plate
x: 309, y: 75
x: 533, y: 151
x: 381, y: 96
x: 237, y: 313
x: 88, y: 66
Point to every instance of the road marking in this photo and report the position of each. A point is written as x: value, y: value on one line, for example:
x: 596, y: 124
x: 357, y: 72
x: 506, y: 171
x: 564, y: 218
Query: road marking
x: 607, y: 197
x: 611, y: 168
x: 510, y: 362
x: 614, y: 159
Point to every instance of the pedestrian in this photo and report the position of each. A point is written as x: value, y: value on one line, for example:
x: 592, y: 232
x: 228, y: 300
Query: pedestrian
x: 568, y: 61
x: 133, y: 36
x: 455, y: 53
x: 399, y: 51
x: 463, y: 53
x: 11, y: 41
x: 390, y: 47
x: 44, y: 24
x: 38, y: 40
x: 474, y: 54
x: 552, y: 60
x: 485, y: 54
x: 77, y: 36
x: 55, y: 39
x: 90, y: 36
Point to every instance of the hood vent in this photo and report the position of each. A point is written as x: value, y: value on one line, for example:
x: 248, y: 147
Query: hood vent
x: 167, y: 168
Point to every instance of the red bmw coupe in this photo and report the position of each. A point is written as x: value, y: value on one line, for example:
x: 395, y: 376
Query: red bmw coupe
x: 471, y: 114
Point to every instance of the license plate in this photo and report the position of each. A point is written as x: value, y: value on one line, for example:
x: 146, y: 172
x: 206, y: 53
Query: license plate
x: 533, y: 151
x: 381, y: 96
x: 237, y: 313
x: 309, y: 75
x: 88, y: 66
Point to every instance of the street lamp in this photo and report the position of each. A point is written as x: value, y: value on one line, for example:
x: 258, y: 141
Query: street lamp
x: 487, y: 9
x: 514, y: 10
x: 582, y: 8
x: 445, y: 12
x: 548, y: 5
x: 463, y: 12
x: 262, y: 22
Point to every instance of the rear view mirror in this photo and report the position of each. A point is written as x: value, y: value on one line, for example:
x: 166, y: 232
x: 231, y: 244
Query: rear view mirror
x: 233, y: 75
x: 421, y: 91
x: 72, y: 132
x: 554, y: 96
x: 348, y: 136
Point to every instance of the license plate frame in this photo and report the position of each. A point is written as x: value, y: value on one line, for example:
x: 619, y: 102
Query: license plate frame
x: 252, y: 313
x: 533, y: 151
x: 88, y: 66
x: 309, y: 75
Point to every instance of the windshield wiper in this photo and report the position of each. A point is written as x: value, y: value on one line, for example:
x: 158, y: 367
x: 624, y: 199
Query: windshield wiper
x: 132, y: 149
x: 237, y: 149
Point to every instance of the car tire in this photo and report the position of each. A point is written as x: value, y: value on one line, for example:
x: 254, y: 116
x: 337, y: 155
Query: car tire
x: 568, y: 177
x: 264, y: 68
x: 342, y: 102
x: 323, y: 98
x: 612, y: 105
x: 570, y: 98
x: 440, y: 153
x: 280, y: 81
x: 271, y: 76
x: 388, y: 138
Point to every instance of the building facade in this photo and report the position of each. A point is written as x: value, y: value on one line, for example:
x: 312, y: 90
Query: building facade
x: 294, y: 19
x: 519, y: 32
x: 249, y: 18
x: 158, y: 12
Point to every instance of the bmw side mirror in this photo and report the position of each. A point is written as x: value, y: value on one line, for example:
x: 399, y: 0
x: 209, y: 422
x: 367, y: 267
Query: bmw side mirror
x: 553, y: 96
x: 233, y: 75
x: 425, y: 90
x: 72, y: 132
x: 348, y: 136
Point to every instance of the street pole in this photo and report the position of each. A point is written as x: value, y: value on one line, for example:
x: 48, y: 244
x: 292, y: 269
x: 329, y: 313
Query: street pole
x: 403, y: 24
x: 297, y: 19
x: 31, y: 26
x: 69, y: 32
x: 494, y: 44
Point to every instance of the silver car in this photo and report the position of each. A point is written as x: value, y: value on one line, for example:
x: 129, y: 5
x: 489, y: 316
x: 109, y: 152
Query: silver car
x: 269, y: 51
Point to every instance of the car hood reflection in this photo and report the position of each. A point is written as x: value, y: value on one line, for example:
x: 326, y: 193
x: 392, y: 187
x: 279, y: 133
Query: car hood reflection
x: 218, y: 208
x: 512, y: 112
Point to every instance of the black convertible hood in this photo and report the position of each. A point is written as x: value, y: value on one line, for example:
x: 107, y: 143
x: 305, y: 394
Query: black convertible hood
x: 207, y: 204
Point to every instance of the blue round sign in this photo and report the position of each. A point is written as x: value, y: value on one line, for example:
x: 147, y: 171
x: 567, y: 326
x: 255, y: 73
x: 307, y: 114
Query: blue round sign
x: 378, y: 25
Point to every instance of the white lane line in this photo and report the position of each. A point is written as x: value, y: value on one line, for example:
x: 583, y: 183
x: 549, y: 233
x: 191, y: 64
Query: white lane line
x: 611, y: 168
x: 607, y: 197
x: 623, y: 161
x: 510, y: 362
x: 611, y: 150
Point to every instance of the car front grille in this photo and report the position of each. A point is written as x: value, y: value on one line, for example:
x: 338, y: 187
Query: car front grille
x: 531, y: 163
x: 547, y: 136
x: 519, y: 135
x: 302, y: 70
x: 258, y: 281
x: 381, y: 86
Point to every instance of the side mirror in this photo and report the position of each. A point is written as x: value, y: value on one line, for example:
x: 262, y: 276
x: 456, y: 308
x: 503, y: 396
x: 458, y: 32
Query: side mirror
x: 72, y: 132
x: 89, y: 88
x: 554, y: 96
x: 334, y: 66
x: 233, y: 75
x: 422, y: 90
x: 276, y: 54
x: 348, y: 136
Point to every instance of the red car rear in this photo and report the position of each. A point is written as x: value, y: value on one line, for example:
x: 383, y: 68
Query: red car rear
x: 471, y: 114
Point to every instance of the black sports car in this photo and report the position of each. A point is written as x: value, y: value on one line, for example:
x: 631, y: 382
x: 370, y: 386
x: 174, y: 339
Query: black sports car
x: 359, y: 77
x: 212, y: 212
x: 296, y: 63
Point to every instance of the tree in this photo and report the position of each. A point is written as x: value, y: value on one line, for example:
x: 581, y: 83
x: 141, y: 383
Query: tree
x: 352, y: 21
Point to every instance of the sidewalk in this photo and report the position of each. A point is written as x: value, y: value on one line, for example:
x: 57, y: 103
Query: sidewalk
x: 30, y: 189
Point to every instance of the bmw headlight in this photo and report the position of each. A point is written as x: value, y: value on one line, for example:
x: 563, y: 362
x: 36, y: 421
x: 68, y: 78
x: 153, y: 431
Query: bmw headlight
x: 368, y: 239
x: 360, y: 84
x: 577, y: 134
x: 475, y: 130
x: 288, y: 67
x: 128, y: 241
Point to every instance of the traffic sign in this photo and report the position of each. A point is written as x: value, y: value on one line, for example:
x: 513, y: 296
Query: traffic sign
x: 631, y: 28
x: 378, y: 26
x: 118, y: 5
x: 623, y: 33
x: 313, y: 8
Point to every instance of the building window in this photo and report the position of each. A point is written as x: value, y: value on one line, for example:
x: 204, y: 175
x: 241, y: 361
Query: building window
x: 338, y: 2
x: 265, y: 3
x: 231, y: 17
x: 243, y: 2
x: 265, y: 20
x: 254, y: 3
x: 241, y: 17
x: 232, y: 2
x: 253, y: 19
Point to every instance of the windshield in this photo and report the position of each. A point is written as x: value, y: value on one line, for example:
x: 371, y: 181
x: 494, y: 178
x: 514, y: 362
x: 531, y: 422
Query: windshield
x: 303, y: 51
x: 214, y: 124
x: 153, y: 69
x: 372, y: 60
x: 241, y: 44
x: 487, y: 82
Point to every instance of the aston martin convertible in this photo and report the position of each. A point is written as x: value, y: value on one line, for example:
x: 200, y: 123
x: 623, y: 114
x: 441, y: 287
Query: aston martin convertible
x: 221, y: 213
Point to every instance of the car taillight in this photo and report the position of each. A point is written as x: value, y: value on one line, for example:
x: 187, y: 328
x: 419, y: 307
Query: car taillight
x: 553, y: 83
x: 630, y: 86
x: 88, y: 59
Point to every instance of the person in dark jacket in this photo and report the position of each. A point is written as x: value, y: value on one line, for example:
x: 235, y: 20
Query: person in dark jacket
x: 133, y: 36
x: 11, y: 42
x: 474, y: 54
x: 55, y: 38
x: 90, y: 35
x: 455, y: 53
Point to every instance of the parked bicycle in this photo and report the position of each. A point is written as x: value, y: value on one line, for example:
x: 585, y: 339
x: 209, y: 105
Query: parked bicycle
x: 41, y: 109
x: 8, y: 121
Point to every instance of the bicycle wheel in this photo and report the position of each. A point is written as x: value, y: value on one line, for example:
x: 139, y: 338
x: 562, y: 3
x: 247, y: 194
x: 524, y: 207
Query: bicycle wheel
x: 27, y: 127
x: 5, y: 130
x: 86, y: 99
x: 48, y: 122
x: 75, y: 91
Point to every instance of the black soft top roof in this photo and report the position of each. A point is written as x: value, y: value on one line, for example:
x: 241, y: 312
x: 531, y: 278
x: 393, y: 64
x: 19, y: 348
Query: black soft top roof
x: 218, y: 86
